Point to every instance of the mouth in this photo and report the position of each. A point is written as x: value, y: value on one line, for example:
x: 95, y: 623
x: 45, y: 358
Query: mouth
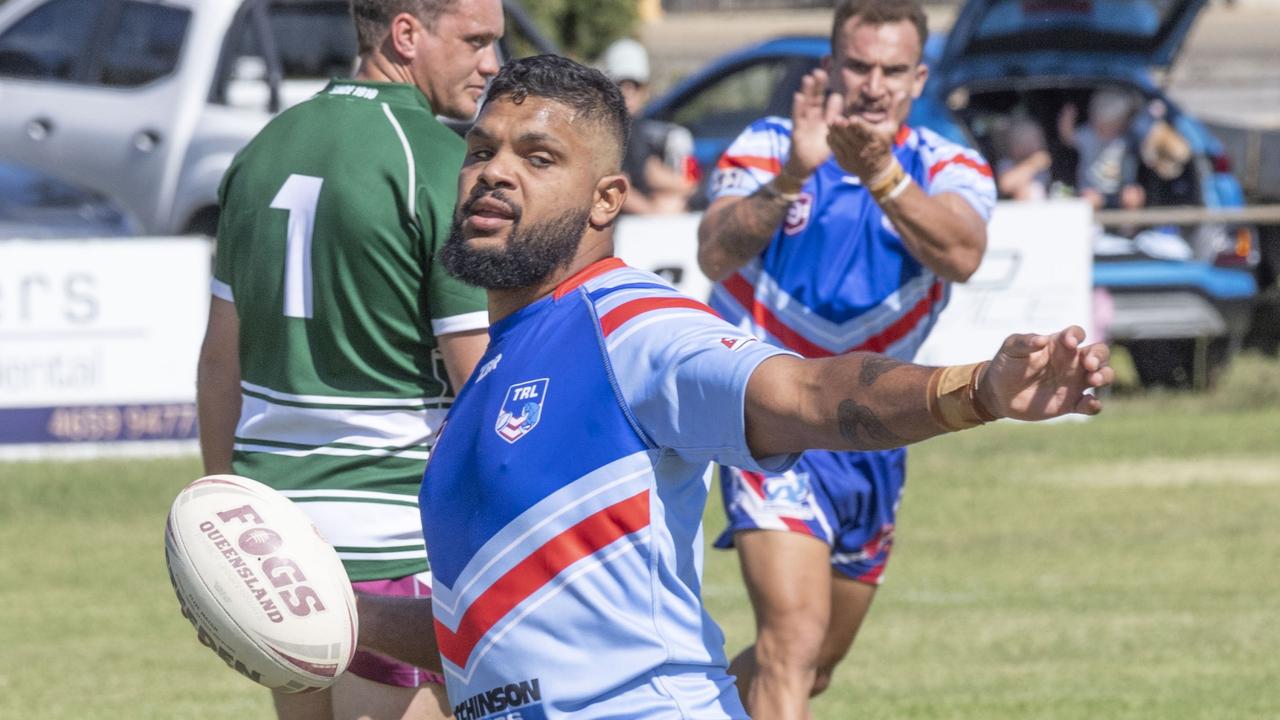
x: 871, y: 115
x: 487, y: 214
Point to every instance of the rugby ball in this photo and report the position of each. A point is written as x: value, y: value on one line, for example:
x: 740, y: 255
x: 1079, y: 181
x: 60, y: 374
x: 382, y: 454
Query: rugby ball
x: 262, y: 588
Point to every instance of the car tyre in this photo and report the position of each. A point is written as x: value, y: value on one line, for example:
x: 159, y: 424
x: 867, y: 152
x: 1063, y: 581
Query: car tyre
x: 1182, y: 364
x: 203, y: 222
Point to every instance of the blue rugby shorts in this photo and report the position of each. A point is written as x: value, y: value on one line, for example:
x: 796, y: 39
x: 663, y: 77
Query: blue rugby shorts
x: 847, y: 500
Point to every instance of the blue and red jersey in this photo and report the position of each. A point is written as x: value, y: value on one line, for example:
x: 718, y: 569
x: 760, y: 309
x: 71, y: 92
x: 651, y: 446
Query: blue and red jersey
x: 563, y: 502
x: 836, y: 277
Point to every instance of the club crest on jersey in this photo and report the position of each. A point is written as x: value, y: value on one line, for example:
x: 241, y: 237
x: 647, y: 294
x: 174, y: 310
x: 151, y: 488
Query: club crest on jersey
x: 736, y: 344
x: 522, y: 409
x: 798, y: 214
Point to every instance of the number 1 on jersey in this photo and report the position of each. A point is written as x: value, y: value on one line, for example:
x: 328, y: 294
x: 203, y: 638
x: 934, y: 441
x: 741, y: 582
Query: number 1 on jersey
x: 299, y: 195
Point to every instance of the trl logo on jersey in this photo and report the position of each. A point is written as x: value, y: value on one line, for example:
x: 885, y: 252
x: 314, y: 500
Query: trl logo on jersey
x: 798, y: 215
x: 522, y: 409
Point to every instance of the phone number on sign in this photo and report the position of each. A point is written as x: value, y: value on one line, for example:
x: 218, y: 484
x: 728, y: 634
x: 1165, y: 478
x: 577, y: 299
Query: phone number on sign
x: 123, y: 422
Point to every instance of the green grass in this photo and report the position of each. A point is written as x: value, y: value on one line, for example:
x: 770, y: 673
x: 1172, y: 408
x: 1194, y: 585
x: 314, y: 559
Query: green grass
x: 1125, y: 567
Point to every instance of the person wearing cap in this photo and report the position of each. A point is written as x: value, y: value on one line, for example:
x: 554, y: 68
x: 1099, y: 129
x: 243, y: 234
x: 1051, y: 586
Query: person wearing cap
x: 659, y: 155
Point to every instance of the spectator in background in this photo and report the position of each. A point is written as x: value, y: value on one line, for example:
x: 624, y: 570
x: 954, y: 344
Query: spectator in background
x: 335, y: 337
x: 1107, y: 172
x: 1024, y: 171
x: 659, y: 156
x: 1163, y: 149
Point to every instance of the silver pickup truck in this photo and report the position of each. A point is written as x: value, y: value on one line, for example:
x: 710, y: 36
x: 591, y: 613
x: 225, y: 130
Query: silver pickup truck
x: 146, y: 101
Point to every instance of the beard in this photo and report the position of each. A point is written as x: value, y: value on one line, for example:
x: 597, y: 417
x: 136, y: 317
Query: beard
x: 529, y: 256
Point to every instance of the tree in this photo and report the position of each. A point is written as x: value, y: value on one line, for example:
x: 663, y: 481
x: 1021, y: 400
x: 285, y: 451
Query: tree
x: 584, y: 28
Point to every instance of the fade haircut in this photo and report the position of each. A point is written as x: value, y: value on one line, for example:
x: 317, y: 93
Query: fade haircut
x: 879, y: 12
x: 588, y: 91
x: 373, y: 18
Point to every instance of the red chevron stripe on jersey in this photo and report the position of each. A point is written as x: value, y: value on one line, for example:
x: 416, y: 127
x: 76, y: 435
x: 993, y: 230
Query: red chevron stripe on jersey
x: 618, y: 316
x: 743, y: 292
x: 590, y: 535
x: 982, y: 168
x: 767, y: 164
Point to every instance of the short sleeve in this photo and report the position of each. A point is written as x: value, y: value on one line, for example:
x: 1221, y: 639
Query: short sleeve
x: 963, y: 171
x: 454, y: 305
x: 754, y: 158
x: 683, y: 373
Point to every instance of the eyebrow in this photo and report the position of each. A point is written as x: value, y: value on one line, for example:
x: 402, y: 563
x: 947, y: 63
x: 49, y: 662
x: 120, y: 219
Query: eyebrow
x: 540, y: 137
x: 479, y: 133
x: 864, y: 63
x: 482, y: 135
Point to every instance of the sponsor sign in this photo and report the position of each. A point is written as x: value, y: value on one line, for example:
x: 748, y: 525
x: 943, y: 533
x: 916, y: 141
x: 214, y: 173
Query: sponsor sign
x: 99, y: 339
x: 1036, y: 276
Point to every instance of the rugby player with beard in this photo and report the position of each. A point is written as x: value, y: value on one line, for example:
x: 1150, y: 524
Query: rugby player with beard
x: 562, y: 503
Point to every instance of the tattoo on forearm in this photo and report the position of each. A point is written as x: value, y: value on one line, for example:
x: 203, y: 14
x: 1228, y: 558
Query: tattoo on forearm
x: 746, y: 226
x: 873, y: 366
x: 863, y: 428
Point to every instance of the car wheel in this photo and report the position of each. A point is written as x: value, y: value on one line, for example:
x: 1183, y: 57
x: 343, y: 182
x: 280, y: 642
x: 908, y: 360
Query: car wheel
x: 1181, y: 364
x: 1264, y: 327
x: 203, y: 222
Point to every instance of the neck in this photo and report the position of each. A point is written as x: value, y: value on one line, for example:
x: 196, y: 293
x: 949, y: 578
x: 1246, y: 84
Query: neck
x: 594, y: 248
x: 376, y: 67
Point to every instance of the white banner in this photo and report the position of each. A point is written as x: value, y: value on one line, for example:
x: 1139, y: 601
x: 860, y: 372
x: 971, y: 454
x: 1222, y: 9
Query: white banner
x: 1036, y: 275
x: 666, y: 245
x: 99, y: 338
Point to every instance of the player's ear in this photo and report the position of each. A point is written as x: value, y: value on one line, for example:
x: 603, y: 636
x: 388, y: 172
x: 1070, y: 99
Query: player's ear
x: 917, y: 83
x: 403, y: 37
x: 611, y: 192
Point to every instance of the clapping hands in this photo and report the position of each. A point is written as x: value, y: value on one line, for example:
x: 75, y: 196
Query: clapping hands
x: 820, y: 129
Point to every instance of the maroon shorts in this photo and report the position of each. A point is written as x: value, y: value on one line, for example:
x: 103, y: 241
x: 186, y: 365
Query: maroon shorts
x: 380, y: 668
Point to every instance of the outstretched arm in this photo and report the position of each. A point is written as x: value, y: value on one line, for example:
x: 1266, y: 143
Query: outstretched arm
x: 863, y: 401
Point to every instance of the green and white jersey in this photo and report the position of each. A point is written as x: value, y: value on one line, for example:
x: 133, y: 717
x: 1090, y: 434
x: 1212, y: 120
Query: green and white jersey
x: 330, y: 223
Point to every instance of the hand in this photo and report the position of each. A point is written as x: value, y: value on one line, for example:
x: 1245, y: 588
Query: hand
x: 1094, y: 197
x: 1132, y: 197
x: 1036, y: 377
x: 858, y: 148
x: 810, y: 114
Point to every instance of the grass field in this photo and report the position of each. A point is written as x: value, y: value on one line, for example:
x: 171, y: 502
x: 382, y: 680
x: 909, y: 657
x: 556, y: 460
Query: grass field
x: 1126, y: 567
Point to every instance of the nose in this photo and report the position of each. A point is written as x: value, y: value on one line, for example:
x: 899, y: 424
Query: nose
x: 874, y: 86
x: 496, y: 173
x: 488, y: 66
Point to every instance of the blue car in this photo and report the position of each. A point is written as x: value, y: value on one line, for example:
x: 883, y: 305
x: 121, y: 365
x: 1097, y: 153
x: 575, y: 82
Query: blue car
x: 36, y: 206
x: 1182, y: 294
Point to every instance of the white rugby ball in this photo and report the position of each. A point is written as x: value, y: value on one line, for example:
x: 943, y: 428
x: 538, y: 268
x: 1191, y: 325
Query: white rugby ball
x: 262, y: 588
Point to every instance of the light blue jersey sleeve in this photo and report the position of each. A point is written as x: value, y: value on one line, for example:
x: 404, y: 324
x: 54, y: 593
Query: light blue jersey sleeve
x: 683, y: 371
